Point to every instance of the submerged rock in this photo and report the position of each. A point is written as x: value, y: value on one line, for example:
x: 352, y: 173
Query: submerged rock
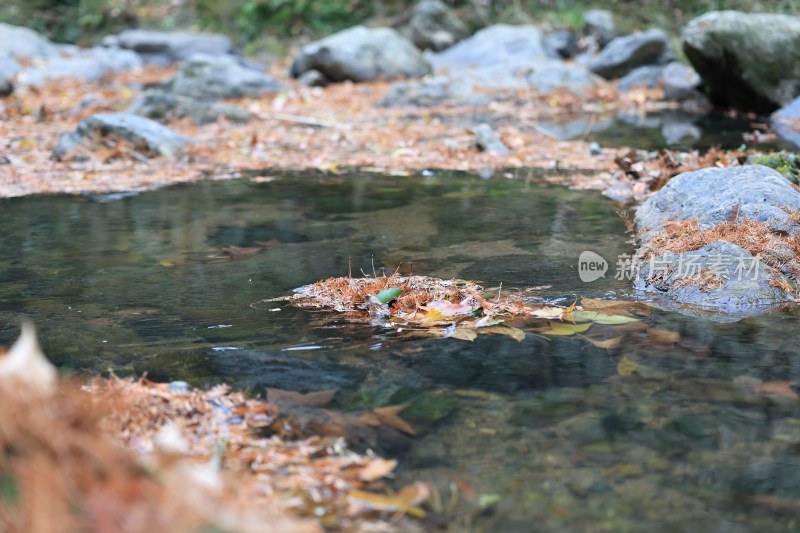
x: 719, y: 278
x: 147, y: 135
x: 434, y: 26
x: 624, y: 54
x: 205, y: 76
x: 747, y: 60
x: 362, y: 54
x: 163, y: 106
x: 169, y: 47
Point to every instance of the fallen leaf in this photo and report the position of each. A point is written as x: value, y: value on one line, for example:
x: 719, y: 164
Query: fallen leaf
x: 25, y: 363
x: 377, y: 468
x: 626, y: 367
x: 388, y: 416
x: 563, y: 328
x: 450, y: 309
x: 387, y: 295
x: 311, y: 399
x: 663, y: 336
x: 598, y: 318
x: 515, y: 333
x: 361, y: 501
x: 417, y: 493
x: 465, y: 334
x: 780, y: 388
x: 606, y: 344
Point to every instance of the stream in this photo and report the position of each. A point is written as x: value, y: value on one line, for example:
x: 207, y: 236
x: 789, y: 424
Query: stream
x: 704, y: 436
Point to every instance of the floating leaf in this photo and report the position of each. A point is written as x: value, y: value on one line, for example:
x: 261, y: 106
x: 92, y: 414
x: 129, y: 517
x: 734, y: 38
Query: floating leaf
x: 663, y: 336
x: 563, y: 328
x: 488, y: 500
x: 515, y: 333
x: 311, y: 399
x: 598, y: 318
x: 388, y: 416
x: 387, y: 295
x: 465, y: 334
x: 450, y: 309
x: 626, y: 367
x: 606, y: 344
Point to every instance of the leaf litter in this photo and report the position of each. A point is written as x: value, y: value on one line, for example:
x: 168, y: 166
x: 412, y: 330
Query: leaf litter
x: 456, y: 308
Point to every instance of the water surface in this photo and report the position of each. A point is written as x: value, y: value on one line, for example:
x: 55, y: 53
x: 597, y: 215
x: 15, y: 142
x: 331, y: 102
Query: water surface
x: 547, y: 431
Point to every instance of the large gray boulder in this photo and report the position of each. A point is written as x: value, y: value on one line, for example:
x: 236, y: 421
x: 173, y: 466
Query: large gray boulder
x: 624, y: 54
x: 434, y: 26
x: 85, y: 69
x: 501, y: 46
x: 712, y: 194
x: 362, y: 54
x: 164, y: 107
x: 747, y: 60
x: 148, y: 136
x: 19, y: 42
x: 170, y: 46
x: 720, y: 275
x: 786, y: 123
x: 205, y: 76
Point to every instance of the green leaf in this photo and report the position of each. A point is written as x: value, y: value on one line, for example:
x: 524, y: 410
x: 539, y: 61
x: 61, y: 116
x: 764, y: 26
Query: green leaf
x: 387, y: 295
x: 599, y: 318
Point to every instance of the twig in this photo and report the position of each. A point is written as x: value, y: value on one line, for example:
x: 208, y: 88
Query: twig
x: 307, y: 121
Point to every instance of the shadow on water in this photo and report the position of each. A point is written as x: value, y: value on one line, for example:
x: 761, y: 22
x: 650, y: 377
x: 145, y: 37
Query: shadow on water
x: 673, y: 428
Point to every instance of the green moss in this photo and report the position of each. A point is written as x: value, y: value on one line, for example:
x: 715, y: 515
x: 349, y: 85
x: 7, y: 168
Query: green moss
x: 785, y: 163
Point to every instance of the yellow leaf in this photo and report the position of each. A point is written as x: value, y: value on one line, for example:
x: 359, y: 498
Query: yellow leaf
x: 606, y: 344
x: 562, y: 328
x: 516, y: 334
x: 465, y: 334
x: 378, y: 502
x: 598, y: 318
x: 626, y: 367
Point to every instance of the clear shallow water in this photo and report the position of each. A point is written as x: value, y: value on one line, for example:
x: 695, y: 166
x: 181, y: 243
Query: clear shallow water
x: 171, y: 282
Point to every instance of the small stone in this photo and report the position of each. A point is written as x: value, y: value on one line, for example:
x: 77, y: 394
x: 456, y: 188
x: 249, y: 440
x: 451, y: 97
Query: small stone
x: 313, y: 78
x: 594, y: 149
x: 179, y: 387
x: 486, y: 139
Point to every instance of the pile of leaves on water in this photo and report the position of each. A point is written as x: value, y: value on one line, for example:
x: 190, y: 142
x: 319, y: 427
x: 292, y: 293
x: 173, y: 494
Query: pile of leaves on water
x: 455, y: 308
x: 135, y: 456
